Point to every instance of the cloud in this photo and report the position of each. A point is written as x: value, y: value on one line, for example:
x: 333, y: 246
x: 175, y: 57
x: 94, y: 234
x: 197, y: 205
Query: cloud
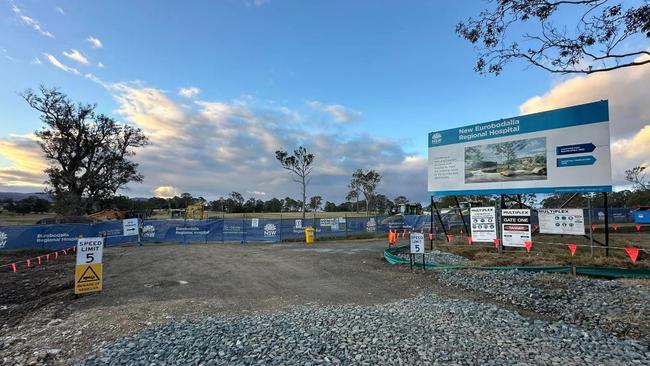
x: 95, y: 42
x: 189, y: 92
x: 25, y: 163
x: 100, y: 65
x: 257, y: 3
x: 76, y: 56
x: 60, y: 10
x: 257, y: 193
x: 54, y: 61
x: 165, y: 192
x: 629, y: 111
x: 30, y: 22
x: 339, y: 112
x: 210, y: 148
x: 36, y: 61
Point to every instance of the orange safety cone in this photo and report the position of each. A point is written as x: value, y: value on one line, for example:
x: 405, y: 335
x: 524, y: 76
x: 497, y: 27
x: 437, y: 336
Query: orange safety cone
x: 469, y: 240
x: 637, y: 227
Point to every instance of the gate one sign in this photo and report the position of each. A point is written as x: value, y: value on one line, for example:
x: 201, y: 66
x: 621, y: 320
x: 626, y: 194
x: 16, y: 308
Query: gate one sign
x: 88, y: 271
x: 515, y: 227
x: 563, y: 150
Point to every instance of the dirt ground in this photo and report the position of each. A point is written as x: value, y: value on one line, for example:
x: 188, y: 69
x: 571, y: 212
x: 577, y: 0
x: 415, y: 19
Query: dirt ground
x: 43, y: 322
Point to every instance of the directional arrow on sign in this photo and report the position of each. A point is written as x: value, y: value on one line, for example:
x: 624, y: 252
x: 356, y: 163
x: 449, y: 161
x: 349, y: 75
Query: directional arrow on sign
x: 576, y: 161
x: 575, y: 149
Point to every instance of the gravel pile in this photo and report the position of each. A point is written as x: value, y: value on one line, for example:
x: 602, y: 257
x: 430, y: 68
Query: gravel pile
x: 438, y: 257
x: 424, y: 330
x: 622, y: 308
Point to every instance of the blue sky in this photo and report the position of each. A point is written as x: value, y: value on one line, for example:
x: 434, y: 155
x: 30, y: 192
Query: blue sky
x: 353, y: 73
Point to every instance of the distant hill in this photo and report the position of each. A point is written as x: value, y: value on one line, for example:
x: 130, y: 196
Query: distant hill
x: 17, y: 196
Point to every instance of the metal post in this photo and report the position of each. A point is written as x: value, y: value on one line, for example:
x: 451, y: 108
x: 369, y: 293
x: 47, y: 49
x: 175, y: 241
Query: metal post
x: 444, y: 229
x: 591, y: 229
x: 462, y: 217
x: 281, y: 227
x: 424, y: 266
x: 431, y: 228
x: 243, y: 229
x: 411, y: 257
x: 503, y: 205
x: 519, y: 200
x: 606, y: 224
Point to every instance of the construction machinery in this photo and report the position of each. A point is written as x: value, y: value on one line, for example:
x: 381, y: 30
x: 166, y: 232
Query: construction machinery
x: 109, y: 215
x: 195, y: 212
x: 409, y: 208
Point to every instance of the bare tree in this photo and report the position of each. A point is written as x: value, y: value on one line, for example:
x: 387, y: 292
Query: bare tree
x: 594, y: 42
x: 368, y: 182
x: 637, y: 176
x: 89, y: 153
x: 354, y: 192
x: 300, y: 164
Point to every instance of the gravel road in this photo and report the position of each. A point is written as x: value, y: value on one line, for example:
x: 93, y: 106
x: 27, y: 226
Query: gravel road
x: 618, y: 307
x: 425, y: 330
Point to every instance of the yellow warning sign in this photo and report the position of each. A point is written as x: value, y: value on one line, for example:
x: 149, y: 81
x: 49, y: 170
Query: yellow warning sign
x: 88, y: 278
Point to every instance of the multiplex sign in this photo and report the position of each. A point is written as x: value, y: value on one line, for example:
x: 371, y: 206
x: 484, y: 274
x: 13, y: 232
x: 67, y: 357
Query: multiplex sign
x: 562, y: 150
x: 515, y: 227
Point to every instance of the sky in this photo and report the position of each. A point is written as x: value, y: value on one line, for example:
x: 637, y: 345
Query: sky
x: 218, y: 86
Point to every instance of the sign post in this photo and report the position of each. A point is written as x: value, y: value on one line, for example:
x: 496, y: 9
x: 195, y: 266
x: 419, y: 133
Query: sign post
x: 88, y: 271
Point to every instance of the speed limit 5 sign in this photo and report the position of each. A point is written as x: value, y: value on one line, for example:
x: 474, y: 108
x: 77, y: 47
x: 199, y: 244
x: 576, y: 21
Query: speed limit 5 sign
x: 88, y: 272
x: 417, y: 243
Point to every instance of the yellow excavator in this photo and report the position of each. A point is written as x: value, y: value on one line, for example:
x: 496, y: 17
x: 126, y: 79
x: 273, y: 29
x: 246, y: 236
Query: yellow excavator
x: 195, y: 212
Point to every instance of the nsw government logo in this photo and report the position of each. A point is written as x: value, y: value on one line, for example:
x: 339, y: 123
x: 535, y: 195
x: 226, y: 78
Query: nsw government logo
x: 149, y: 231
x: 436, y: 138
x: 3, y: 239
x: 269, y: 230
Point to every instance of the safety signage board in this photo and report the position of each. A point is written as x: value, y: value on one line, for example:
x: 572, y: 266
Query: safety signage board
x: 569, y: 221
x: 88, y: 271
x: 417, y: 243
x: 255, y: 222
x: 562, y: 150
x: 515, y: 227
x: 484, y: 224
x: 130, y: 227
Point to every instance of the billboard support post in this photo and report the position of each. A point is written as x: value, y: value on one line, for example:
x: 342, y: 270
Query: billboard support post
x: 591, y: 228
x: 431, y: 223
x: 462, y: 217
x: 519, y: 201
x: 606, y: 224
x: 444, y: 229
x: 503, y: 205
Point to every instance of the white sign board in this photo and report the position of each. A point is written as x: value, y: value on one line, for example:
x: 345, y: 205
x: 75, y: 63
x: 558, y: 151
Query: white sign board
x: 255, y: 222
x: 298, y: 224
x: 569, y: 221
x: 130, y: 227
x: 417, y: 243
x: 515, y: 227
x: 89, y: 250
x: 563, y: 150
x: 484, y: 224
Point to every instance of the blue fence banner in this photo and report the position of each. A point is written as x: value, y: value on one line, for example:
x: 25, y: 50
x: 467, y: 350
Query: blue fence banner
x: 56, y: 237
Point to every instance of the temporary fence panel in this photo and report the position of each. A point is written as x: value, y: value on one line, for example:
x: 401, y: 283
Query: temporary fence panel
x: 261, y: 230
